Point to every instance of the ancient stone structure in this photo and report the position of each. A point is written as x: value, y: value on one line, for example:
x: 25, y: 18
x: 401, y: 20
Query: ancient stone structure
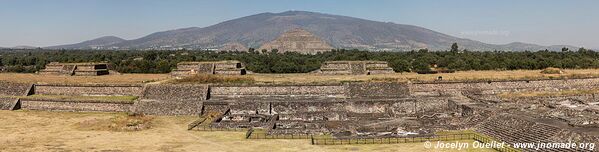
x: 230, y: 67
x: 354, y: 109
x: 172, y: 99
x: 297, y: 40
x: 89, y: 89
x: 75, y: 105
x: 78, y: 69
x: 10, y: 93
x: 355, y: 67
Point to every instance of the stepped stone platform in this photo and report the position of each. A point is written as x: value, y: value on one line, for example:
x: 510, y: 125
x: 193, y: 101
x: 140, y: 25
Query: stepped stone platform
x: 75, y: 69
x: 165, y: 99
x: 8, y: 103
x: 10, y: 93
x: 355, y: 67
x: 230, y: 67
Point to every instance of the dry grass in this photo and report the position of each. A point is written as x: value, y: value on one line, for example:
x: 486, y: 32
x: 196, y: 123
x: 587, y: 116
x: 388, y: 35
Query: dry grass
x: 209, y: 78
x: 60, y: 131
x: 403, y: 77
x: 551, y: 70
x: 301, y: 78
x: 57, y: 79
x: 117, y: 123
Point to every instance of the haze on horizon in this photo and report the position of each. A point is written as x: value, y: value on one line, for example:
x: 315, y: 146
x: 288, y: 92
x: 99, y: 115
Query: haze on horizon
x: 548, y: 22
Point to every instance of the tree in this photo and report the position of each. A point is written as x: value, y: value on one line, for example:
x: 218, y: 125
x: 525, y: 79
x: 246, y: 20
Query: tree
x: 455, y: 47
x: 565, y: 49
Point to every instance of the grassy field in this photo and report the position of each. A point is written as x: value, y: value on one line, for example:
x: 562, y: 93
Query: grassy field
x: 66, y: 131
x: 304, y: 78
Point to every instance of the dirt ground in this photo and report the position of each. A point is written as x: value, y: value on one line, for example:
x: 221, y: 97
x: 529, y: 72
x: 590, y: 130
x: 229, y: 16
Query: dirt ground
x: 60, y: 131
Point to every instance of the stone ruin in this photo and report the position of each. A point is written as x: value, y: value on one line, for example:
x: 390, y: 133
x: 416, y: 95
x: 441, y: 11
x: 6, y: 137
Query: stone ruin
x: 353, y: 110
x: 297, y: 40
x: 75, y: 69
x: 230, y: 67
x: 355, y: 67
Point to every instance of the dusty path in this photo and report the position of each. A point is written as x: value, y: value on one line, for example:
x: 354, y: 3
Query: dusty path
x: 58, y: 131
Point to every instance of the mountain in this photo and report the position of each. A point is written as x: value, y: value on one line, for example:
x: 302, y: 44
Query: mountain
x: 533, y: 47
x: 338, y: 31
x: 25, y: 47
x: 99, y: 43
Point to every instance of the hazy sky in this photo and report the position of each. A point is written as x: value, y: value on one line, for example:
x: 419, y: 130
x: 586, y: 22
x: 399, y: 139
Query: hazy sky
x: 545, y: 22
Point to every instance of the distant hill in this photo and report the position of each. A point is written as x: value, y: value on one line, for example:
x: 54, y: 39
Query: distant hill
x: 338, y: 31
x: 24, y: 47
x: 99, y: 43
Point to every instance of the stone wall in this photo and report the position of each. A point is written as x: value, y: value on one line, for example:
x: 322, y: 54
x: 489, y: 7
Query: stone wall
x: 14, y: 89
x: 59, y: 105
x: 495, y: 87
x: 378, y: 90
x: 209, y: 67
x: 355, y: 67
x: 168, y: 99
x: 8, y: 103
x: 256, y: 91
x: 89, y: 89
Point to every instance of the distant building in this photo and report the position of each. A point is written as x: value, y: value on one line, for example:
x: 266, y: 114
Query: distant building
x: 230, y: 67
x: 76, y: 69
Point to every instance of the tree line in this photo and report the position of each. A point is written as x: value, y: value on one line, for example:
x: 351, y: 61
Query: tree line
x: 137, y: 61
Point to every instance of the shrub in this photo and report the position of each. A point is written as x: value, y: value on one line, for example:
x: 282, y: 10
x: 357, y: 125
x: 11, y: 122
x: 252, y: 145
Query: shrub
x: 551, y: 70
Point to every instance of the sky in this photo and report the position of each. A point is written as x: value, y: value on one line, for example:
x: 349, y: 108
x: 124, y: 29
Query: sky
x: 544, y: 22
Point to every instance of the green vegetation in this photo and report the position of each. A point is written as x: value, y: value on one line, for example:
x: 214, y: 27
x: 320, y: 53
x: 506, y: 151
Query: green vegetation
x: 291, y: 62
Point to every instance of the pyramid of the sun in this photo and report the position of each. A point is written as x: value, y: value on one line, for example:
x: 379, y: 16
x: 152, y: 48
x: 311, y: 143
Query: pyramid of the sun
x: 297, y: 40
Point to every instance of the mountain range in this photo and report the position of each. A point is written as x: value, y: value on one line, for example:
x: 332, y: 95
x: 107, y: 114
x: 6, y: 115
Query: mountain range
x: 338, y: 31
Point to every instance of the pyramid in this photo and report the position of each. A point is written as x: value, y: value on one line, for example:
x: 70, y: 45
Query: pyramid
x: 297, y: 40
